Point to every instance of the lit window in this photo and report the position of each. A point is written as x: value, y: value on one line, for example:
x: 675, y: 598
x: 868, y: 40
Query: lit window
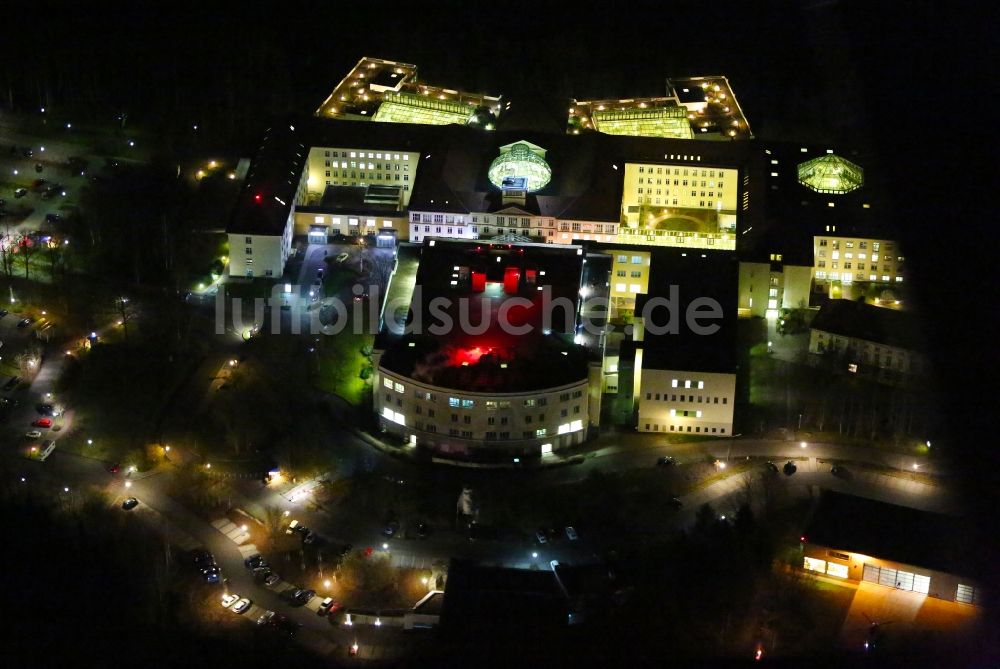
x: 387, y: 382
x: 673, y: 383
x: 398, y: 387
x: 812, y: 564
x: 838, y: 570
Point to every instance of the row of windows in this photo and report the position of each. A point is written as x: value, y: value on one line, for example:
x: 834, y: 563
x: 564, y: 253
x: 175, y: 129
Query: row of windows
x: 361, y: 154
x: 636, y: 260
x: 635, y: 274
x: 847, y: 265
x: 659, y: 191
x: 846, y: 277
x: 651, y: 200
x: 491, y: 405
x: 644, y: 169
x: 690, y: 398
x: 680, y: 428
x: 679, y: 182
x: 371, y: 166
x: 377, y: 176
x: 861, y: 256
x: 835, y: 243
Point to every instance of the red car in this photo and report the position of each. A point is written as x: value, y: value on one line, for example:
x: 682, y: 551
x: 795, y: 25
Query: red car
x: 42, y: 422
x: 115, y: 468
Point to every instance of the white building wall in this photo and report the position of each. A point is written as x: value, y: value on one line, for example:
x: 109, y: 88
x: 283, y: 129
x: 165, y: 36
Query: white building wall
x: 259, y: 255
x: 707, y: 398
x: 458, y: 421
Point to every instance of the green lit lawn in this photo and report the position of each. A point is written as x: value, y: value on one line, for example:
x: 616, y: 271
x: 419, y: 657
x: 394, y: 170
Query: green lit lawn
x: 340, y: 365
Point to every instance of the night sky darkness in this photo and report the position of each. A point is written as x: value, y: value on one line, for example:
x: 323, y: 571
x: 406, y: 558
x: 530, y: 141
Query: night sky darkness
x: 903, y: 79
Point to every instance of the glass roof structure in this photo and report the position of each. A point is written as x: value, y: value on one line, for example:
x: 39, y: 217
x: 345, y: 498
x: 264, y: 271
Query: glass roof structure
x: 831, y: 174
x: 521, y: 159
x: 671, y: 122
x: 412, y: 108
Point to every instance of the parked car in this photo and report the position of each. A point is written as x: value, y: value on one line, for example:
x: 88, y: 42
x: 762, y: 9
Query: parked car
x: 571, y: 533
x: 272, y: 579
x: 265, y: 617
x: 391, y: 528
x: 423, y: 530
x: 34, y: 434
x: 130, y: 503
x: 202, y: 557
x: 211, y: 574
x: 342, y: 257
x: 42, y: 422
x: 115, y: 468
x: 12, y: 383
x: 840, y: 471
x: 665, y: 461
x: 3, y: 312
x: 328, y: 606
x: 255, y: 562
x: 241, y: 606
x: 541, y: 536
x: 24, y: 322
x: 283, y: 624
x: 53, y: 217
x: 303, y: 596
x: 229, y: 599
x: 771, y: 467
x: 789, y: 468
x: 20, y: 192
x: 39, y: 167
x: 675, y: 503
x: 28, y: 153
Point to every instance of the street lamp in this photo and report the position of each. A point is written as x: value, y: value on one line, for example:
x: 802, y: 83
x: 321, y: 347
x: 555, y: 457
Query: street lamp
x: 385, y: 547
x: 326, y: 583
x: 128, y: 484
x: 534, y: 554
x: 802, y: 444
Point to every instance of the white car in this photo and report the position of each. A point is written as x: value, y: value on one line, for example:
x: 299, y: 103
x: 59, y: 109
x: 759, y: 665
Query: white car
x: 34, y: 434
x: 229, y: 600
x: 241, y: 606
x: 342, y: 257
x: 571, y: 533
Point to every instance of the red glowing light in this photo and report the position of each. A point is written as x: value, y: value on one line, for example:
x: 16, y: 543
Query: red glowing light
x: 258, y: 197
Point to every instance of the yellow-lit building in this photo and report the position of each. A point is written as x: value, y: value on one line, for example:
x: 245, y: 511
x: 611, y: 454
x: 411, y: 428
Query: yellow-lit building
x: 629, y: 277
x: 360, y: 166
x: 680, y: 204
x: 843, y: 260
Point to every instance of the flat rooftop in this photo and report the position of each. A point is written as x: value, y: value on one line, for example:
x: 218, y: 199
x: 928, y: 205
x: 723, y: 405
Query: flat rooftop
x: 694, y: 274
x: 859, y: 320
x: 891, y: 532
x: 361, y: 93
x: 478, y: 318
x: 693, y: 108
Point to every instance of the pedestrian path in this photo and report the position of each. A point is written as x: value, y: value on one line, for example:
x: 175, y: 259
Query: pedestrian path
x: 410, y: 561
x: 231, y: 530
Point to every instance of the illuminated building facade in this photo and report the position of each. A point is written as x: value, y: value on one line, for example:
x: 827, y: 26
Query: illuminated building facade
x: 856, y: 260
x: 465, y: 389
x: 879, y: 544
x: 867, y: 339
